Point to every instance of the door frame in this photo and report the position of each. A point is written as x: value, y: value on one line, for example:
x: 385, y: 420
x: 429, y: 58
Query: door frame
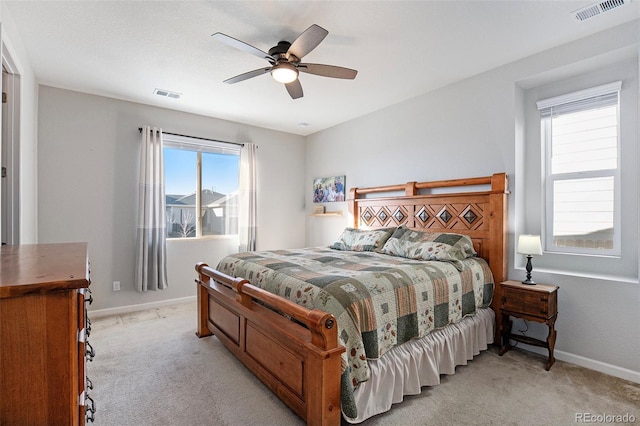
x: 10, y: 151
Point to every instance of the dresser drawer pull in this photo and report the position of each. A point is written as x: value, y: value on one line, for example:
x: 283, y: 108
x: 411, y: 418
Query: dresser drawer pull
x: 87, y: 322
x: 90, y: 409
x: 89, y: 352
x: 89, y: 384
x: 90, y: 299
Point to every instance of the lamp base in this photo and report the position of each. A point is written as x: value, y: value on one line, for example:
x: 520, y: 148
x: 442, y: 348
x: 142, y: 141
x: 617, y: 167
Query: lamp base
x: 529, y: 268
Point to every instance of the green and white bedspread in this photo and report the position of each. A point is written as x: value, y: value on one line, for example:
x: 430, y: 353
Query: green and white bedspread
x: 379, y: 301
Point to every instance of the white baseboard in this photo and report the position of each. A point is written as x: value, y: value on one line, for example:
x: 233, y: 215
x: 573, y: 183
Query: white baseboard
x: 592, y: 364
x: 101, y: 313
x: 612, y: 370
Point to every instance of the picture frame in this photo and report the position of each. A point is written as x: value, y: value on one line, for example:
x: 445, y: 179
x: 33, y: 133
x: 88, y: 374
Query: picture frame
x: 329, y: 189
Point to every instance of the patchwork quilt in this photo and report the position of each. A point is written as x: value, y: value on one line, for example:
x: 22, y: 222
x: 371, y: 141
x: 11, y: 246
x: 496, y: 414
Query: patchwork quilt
x: 379, y: 301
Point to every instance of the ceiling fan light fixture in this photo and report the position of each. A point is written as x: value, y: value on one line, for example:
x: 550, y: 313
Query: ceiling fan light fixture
x: 284, y: 73
x: 284, y: 59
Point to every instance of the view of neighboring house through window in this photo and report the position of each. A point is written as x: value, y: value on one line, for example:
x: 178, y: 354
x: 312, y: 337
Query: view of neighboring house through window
x: 582, y: 177
x: 200, y: 176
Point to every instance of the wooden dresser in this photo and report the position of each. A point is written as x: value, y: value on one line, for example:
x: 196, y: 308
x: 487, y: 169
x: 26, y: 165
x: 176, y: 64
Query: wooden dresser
x: 44, y: 335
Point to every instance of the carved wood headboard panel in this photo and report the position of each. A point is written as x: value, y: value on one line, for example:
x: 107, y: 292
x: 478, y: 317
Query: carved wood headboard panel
x: 480, y: 214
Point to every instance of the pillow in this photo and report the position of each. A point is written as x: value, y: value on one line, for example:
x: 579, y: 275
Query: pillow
x: 421, y: 245
x: 362, y: 239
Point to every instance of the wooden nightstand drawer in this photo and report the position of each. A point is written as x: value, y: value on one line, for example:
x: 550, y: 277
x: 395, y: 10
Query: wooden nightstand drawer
x: 530, y: 302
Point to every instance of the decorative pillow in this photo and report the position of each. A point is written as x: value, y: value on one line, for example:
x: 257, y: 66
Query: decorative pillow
x: 362, y: 239
x: 421, y: 245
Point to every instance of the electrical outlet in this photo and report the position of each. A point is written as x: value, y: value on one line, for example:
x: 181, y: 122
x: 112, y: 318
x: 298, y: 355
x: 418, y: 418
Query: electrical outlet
x: 116, y: 286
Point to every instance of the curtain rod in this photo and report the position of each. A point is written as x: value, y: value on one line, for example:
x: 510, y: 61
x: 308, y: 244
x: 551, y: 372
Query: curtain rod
x: 196, y: 137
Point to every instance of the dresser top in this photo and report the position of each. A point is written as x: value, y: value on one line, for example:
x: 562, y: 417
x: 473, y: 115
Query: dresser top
x: 41, y: 268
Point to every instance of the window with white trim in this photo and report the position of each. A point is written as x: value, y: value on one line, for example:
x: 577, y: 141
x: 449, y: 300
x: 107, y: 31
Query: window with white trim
x: 200, y: 176
x: 580, y: 136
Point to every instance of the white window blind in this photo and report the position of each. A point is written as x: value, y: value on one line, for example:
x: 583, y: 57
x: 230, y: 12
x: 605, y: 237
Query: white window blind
x: 580, y: 132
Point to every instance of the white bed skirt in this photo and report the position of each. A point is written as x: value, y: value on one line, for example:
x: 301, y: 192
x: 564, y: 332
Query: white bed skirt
x: 406, y: 368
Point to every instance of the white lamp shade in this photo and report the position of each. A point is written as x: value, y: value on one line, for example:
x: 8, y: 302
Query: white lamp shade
x: 284, y: 73
x: 530, y: 244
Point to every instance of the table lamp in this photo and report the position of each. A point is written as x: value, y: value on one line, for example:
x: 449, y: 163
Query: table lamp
x: 529, y: 245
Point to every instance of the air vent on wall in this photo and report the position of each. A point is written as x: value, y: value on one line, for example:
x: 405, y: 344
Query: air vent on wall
x: 167, y: 93
x: 597, y: 8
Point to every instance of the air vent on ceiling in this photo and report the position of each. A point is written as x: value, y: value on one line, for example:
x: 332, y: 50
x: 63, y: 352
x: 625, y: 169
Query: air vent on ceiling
x: 167, y: 93
x: 597, y: 8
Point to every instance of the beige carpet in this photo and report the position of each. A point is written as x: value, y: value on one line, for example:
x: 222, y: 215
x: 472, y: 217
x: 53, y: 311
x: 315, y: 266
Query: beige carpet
x: 151, y: 369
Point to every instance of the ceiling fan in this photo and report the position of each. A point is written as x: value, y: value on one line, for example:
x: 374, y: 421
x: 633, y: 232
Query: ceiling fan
x: 285, y: 60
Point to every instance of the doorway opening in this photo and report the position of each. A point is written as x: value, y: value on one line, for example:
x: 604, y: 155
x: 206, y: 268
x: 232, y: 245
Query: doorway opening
x: 9, y: 153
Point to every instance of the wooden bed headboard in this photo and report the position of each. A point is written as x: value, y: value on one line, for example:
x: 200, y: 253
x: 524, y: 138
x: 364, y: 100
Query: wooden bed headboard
x: 480, y: 214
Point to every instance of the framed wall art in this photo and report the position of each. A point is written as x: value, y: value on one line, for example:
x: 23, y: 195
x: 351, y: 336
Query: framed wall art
x: 326, y: 190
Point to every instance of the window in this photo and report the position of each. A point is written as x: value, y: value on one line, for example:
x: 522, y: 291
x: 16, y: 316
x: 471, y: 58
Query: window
x: 200, y: 176
x: 582, y: 173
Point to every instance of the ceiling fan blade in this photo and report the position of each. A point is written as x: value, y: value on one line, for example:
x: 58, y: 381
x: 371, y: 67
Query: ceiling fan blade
x: 328, y: 71
x: 247, y: 75
x: 295, y: 89
x: 307, y: 41
x: 241, y: 45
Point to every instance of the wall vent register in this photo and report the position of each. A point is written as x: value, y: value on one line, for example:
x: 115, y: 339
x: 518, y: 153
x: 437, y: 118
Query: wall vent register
x: 598, y: 8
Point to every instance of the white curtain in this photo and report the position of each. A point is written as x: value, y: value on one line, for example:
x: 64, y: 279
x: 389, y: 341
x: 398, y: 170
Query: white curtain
x: 151, y: 268
x: 247, y: 198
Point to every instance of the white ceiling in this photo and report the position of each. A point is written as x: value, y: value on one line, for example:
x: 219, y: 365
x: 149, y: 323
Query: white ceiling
x: 126, y: 49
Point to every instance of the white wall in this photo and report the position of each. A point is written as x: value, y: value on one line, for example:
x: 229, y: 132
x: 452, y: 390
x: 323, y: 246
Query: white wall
x: 432, y: 137
x: 475, y: 128
x: 87, y: 168
x: 28, y: 128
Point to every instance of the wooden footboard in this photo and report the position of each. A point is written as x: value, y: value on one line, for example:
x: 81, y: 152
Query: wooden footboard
x: 298, y: 360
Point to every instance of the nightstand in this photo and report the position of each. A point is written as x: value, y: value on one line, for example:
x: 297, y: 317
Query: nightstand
x: 537, y: 303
